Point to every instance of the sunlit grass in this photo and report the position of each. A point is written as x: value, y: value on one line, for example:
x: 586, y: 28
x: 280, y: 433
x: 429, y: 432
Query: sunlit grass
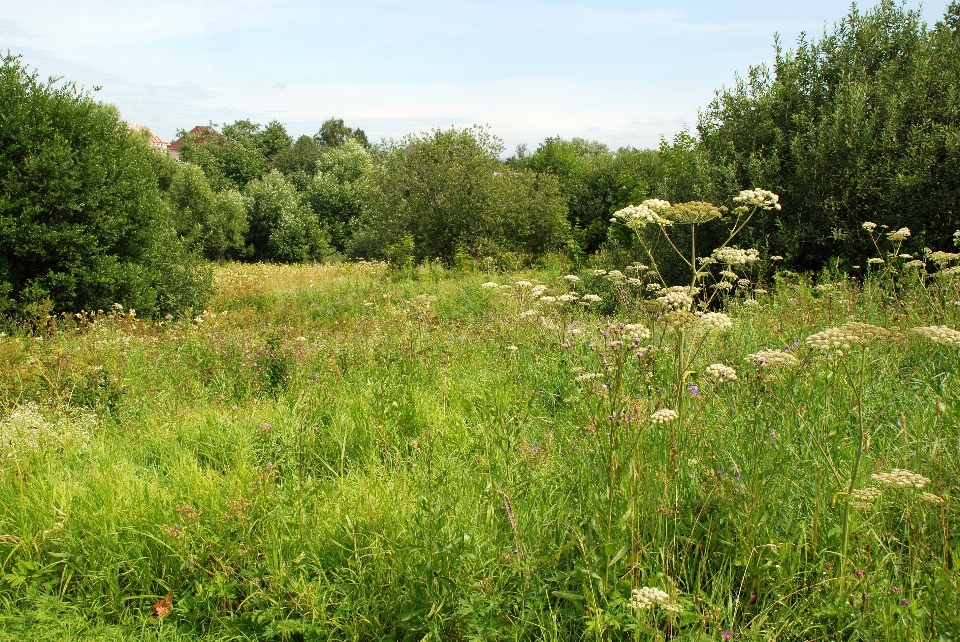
x: 349, y: 452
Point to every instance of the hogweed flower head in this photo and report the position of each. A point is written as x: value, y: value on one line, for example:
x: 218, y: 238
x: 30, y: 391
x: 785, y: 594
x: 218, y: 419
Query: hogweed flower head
x: 591, y: 298
x: 931, y: 498
x: 758, y: 198
x: 720, y: 372
x: 735, y: 255
x: 939, y: 334
x: 638, y: 216
x: 876, y: 260
x: 772, y: 359
x: 676, y: 301
x: 899, y: 235
x: 571, y: 278
x: 846, y: 336
x: 715, y: 322
x: 648, y: 597
x: 636, y: 331
x: 692, y: 213
x: 869, y: 226
x: 664, y: 416
x: 899, y: 478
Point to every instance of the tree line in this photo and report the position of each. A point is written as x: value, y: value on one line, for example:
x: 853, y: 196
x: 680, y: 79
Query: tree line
x: 862, y: 123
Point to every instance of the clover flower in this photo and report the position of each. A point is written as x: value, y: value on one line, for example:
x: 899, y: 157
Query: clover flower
x: 664, y: 416
x: 735, y: 255
x: 899, y: 235
x: 939, y: 334
x: 720, y: 372
x: 899, y: 478
x: 772, y: 358
x: 758, y: 198
x: 715, y: 321
x: 846, y: 336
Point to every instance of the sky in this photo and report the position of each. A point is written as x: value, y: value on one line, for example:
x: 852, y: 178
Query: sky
x: 622, y: 73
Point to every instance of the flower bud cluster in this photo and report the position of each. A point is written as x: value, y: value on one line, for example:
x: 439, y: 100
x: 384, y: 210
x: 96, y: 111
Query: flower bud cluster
x: 720, y: 372
x: 758, y: 198
x: 940, y: 334
x: 900, y: 478
x: 846, y: 336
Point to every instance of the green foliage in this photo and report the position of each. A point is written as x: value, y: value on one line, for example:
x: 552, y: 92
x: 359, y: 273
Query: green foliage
x: 449, y: 190
x: 82, y: 222
x: 338, y: 191
x: 302, y: 156
x: 281, y: 227
x: 334, y: 132
x: 243, y: 152
x: 860, y: 125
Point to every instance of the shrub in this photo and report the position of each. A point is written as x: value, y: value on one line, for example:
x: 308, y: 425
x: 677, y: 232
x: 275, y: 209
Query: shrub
x: 281, y: 227
x: 82, y: 222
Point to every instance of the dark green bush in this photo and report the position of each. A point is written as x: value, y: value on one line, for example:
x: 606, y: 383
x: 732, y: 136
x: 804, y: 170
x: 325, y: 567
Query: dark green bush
x: 82, y: 222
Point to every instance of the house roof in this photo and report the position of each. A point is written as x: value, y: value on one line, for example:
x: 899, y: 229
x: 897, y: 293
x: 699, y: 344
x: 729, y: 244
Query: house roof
x: 199, y: 129
x: 155, y: 141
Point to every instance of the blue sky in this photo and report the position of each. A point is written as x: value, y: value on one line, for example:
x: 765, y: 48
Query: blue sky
x: 623, y: 73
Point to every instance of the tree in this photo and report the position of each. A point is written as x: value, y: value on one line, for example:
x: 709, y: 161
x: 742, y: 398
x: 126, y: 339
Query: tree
x: 82, y: 221
x: 450, y: 193
x: 340, y: 188
x: 333, y: 133
x: 281, y: 227
x: 301, y: 157
x: 860, y: 125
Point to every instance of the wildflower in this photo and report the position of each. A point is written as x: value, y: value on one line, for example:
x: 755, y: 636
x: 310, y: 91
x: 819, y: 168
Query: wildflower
x: 537, y: 291
x: 675, y: 301
x: 692, y: 213
x: 875, y: 261
x: 587, y: 376
x: 721, y: 372
x: 728, y: 274
x: 940, y: 334
x: 637, y: 331
x: 899, y: 235
x: 512, y: 348
x: 654, y: 287
x: 942, y: 258
x: 846, y: 336
x: 772, y: 358
x: 568, y: 298
x: 743, y: 283
x: 931, y: 498
x: 776, y: 257
x: 899, y: 478
x: 863, y: 498
x: 616, y: 275
x: 726, y: 635
x: 648, y: 597
x: 758, y: 198
x: 591, y: 298
x: 723, y: 285
x: 913, y: 264
x: 735, y: 255
x: 523, y: 284
x: 490, y: 284
x: 694, y: 389
x: 528, y: 313
x: 571, y: 278
x: 664, y: 416
x: 716, y: 322
x: 868, y: 226
x: 859, y: 574
x: 760, y: 291
x: 638, y: 216
x: 904, y: 602
x: 548, y: 299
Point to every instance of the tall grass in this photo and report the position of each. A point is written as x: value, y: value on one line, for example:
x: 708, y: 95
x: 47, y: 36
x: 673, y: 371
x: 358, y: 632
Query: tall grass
x: 351, y: 453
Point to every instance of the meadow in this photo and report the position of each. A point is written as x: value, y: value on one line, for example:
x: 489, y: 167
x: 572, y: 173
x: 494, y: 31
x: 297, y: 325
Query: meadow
x: 359, y: 452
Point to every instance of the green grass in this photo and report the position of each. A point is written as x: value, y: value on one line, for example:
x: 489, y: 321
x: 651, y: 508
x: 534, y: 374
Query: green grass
x: 351, y: 453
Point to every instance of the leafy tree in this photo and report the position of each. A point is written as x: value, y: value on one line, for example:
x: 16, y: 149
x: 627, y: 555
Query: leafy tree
x: 339, y: 190
x: 334, y: 132
x: 860, y: 125
x: 82, y: 221
x: 281, y: 227
x: 244, y: 151
x: 301, y: 157
x: 450, y: 193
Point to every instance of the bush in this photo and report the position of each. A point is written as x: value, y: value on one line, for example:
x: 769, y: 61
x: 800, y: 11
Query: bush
x: 82, y: 222
x: 450, y: 193
x: 860, y: 125
x: 281, y: 227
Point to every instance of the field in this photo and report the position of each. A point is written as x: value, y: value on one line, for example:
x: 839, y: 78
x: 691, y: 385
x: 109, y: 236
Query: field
x: 356, y: 452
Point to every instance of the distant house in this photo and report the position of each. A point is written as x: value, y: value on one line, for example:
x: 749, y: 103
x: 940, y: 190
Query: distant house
x: 174, y: 147
x: 155, y: 141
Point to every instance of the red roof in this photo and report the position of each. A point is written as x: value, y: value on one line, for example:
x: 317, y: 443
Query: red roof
x: 199, y: 129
